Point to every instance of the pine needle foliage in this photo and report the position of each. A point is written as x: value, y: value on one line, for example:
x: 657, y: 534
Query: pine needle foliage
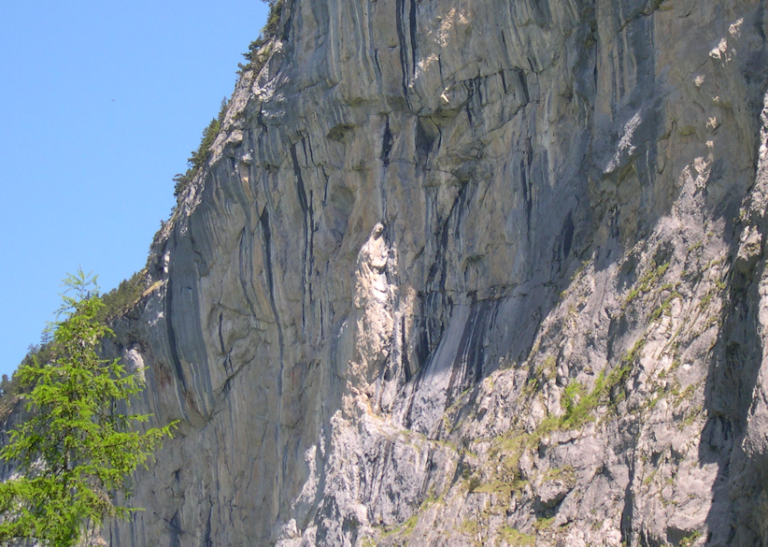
x: 117, y: 302
x: 122, y: 298
x: 79, y: 446
x: 198, y: 158
x: 253, y: 55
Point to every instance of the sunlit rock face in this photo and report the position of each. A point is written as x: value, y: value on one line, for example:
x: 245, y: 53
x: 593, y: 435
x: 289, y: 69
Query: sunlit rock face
x: 470, y: 272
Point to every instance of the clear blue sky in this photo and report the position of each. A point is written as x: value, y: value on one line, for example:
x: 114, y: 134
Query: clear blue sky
x: 101, y: 103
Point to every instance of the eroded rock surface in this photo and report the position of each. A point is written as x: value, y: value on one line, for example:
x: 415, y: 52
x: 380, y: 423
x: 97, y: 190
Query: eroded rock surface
x: 470, y: 272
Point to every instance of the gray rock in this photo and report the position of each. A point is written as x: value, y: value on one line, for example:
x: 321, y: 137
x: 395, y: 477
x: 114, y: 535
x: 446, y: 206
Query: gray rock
x: 557, y: 331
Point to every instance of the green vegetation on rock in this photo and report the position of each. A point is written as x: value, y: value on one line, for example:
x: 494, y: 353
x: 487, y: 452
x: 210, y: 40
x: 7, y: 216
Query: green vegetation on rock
x: 516, y: 538
x: 78, y: 447
x: 646, y: 282
x: 256, y: 56
x: 200, y: 157
x: 122, y: 298
x: 116, y: 303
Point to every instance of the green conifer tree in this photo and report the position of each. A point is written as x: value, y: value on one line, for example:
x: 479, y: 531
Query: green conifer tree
x: 79, y: 446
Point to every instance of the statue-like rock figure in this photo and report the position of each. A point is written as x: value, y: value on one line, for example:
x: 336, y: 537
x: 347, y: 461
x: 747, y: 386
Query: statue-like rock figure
x: 371, y: 276
x: 374, y: 298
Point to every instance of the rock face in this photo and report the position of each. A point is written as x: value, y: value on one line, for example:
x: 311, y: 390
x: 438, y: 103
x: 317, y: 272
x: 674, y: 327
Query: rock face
x: 470, y: 272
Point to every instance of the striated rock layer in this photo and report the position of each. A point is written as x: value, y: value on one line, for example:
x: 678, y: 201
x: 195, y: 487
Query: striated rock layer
x: 470, y: 272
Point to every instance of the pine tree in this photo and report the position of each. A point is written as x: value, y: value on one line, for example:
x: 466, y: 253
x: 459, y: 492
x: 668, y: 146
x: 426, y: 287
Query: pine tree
x: 79, y: 446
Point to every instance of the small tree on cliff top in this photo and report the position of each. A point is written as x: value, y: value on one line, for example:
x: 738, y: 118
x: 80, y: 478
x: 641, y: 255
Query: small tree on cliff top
x: 77, y: 449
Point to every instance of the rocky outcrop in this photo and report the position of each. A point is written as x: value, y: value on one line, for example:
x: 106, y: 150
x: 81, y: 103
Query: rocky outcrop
x: 470, y: 273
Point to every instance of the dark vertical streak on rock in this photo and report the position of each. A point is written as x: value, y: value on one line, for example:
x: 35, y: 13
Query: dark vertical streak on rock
x: 526, y: 195
x: 285, y: 27
x: 523, y: 84
x: 174, y: 531
x: 172, y: 335
x: 469, y: 103
x: 310, y: 250
x: 378, y: 64
x: 504, y: 40
x: 243, y: 250
x: 306, y: 208
x: 299, y: 183
x: 412, y: 22
x: 386, y: 143
x: 424, y: 142
x: 267, y: 248
x: 627, y: 513
x: 207, y: 542
x: 567, y: 236
x: 404, y: 345
x: 227, y: 361
x: 221, y: 336
x: 760, y: 21
x: 399, y: 13
x: 264, y: 221
x: 479, y: 86
x: 526, y: 165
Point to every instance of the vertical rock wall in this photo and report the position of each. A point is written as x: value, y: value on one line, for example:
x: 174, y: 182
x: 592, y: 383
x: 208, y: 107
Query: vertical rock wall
x: 470, y: 272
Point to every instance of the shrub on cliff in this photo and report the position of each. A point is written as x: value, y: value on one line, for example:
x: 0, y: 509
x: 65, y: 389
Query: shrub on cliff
x: 122, y: 298
x: 255, y: 60
x: 199, y: 157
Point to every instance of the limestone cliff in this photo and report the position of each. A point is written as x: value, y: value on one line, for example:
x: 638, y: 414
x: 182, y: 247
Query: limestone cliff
x: 470, y: 272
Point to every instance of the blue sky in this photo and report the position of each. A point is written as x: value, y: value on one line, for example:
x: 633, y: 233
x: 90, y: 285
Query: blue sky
x: 101, y: 104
